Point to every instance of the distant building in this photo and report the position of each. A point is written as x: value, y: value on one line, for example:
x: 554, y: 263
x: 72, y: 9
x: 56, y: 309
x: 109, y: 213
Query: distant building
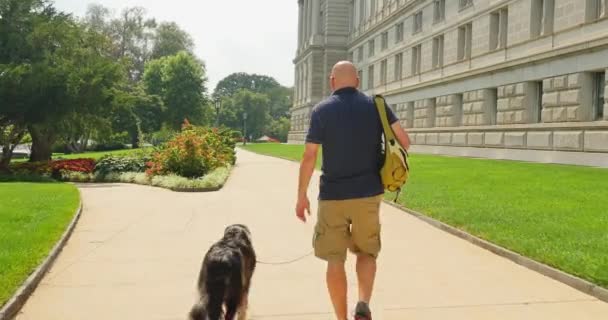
x: 470, y: 77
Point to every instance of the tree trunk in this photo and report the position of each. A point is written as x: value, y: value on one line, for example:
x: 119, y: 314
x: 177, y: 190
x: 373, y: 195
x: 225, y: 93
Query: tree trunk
x: 42, y: 142
x: 135, y: 140
x: 7, y: 155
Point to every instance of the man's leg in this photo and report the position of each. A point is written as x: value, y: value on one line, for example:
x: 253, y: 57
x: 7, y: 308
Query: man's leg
x: 337, y: 286
x: 366, y: 274
x: 331, y: 241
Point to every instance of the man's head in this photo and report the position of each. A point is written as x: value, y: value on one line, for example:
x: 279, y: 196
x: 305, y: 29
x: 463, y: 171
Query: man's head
x: 344, y: 75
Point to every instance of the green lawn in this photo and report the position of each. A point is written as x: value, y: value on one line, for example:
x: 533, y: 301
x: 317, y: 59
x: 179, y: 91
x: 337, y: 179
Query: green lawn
x: 33, y: 216
x: 555, y: 214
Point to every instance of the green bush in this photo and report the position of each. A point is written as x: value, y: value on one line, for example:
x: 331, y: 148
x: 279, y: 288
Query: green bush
x: 118, y: 164
x: 194, y: 152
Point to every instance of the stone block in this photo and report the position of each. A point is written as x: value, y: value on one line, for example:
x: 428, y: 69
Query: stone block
x: 519, y: 116
x: 560, y: 82
x: 480, y: 120
x: 502, y: 104
x: 517, y: 103
x: 494, y: 139
x: 550, y: 99
x: 568, y: 140
x: 477, y: 107
x: 559, y: 114
x: 501, y: 92
x: 475, y: 138
x: 596, y: 141
x: 459, y: 139
x: 445, y: 138
x: 432, y: 138
x: 519, y: 89
x: 515, y: 139
x: 547, y: 115
x: 441, y: 100
x: 510, y: 90
x: 467, y: 107
x: 574, y: 80
x: 500, y: 118
x: 539, y: 140
x: 573, y: 113
x: 548, y: 85
x: 569, y: 97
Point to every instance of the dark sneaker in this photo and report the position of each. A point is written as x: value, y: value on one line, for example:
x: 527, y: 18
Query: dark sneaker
x: 362, y: 311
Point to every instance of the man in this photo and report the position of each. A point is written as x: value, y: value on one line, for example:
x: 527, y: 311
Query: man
x: 348, y: 126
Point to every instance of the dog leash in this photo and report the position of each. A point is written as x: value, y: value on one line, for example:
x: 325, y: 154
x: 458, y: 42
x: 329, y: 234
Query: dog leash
x: 286, y: 262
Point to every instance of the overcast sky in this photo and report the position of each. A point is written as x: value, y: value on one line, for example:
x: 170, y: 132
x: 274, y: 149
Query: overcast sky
x: 230, y: 35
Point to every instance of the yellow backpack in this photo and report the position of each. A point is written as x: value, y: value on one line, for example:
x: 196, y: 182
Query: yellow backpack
x: 396, y: 168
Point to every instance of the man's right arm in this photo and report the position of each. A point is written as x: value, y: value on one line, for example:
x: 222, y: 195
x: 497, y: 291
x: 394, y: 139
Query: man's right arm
x: 401, y: 135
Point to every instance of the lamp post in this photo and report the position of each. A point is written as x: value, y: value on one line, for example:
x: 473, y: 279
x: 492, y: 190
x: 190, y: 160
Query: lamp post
x: 218, y: 106
x: 245, y: 128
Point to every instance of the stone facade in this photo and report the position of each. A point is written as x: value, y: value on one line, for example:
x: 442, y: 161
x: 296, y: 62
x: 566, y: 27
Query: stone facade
x: 509, y: 74
x: 568, y: 98
x: 518, y: 103
x: 449, y: 111
x: 424, y: 113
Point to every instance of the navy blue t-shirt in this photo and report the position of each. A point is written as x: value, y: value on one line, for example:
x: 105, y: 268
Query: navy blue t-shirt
x: 348, y: 127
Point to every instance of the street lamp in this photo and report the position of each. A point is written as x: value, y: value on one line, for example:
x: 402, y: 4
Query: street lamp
x: 218, y: 106
x: 245, y: 128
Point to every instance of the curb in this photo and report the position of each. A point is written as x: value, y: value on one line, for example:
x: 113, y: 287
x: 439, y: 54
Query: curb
x: 570, y: 280
x: 18, y: 300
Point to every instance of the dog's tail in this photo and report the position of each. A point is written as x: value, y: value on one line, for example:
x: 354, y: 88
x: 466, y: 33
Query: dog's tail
x: 224, y: 285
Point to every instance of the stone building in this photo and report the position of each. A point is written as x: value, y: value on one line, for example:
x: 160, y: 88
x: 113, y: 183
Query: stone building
x: 521, y: 79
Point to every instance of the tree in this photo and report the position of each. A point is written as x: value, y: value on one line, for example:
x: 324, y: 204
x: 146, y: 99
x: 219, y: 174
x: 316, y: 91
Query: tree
x: 279, y: 128
x: 170, y: 40
x: 257, y: 107
x: 180, y: 81
x: 137, y: 113
x: 235, y: 82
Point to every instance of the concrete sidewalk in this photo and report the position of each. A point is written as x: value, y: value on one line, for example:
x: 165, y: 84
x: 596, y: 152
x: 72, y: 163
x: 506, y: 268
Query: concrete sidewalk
x: 137, y: 250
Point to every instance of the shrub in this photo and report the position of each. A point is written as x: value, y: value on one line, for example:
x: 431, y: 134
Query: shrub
x: 117, y: 164
x: 194, y: 152
x: 54, y: 168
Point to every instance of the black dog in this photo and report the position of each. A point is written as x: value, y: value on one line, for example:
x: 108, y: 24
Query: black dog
x: 225, y: 277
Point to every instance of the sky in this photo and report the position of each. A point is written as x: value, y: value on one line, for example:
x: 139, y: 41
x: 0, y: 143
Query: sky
x: 230, y: 35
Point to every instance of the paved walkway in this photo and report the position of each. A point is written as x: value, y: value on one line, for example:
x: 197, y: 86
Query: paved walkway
x: 136, y: 253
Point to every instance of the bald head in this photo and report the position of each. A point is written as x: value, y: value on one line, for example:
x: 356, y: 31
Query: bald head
x: 344, y: 75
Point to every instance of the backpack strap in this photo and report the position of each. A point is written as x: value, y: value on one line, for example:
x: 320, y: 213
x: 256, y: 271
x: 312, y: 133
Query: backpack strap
x: 381, y: 106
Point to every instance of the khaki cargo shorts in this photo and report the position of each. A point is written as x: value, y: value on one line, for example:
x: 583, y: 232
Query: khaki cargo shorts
x: 348, y: 224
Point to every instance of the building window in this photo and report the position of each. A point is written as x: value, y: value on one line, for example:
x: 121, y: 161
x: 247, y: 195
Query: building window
x: 372, y: 48
x: 543, y: 12
x: 351, y: 56
x: 465, y: 4
x: 360, y: 74
x: 372, y: 8
x: 439, y: 11
x: 399, y: 33
x: 416, y: 59
x: 398, y: 66
x: 465, y: 33
x: 383, y: 72
x: 370, y: 77
x: 538, y: 87
x: 599, y: 94
x: 385, y: 40
x: 438, y: 51
x: 596, y: 9
x: 499, y: 23
x: 417, y: 22
x: 361, y: 11
x: 360, y: 54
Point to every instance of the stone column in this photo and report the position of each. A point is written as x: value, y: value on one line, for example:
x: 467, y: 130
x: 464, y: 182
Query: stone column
x: 304, y: 22
x: 316, y: 12
x: 300, y: 22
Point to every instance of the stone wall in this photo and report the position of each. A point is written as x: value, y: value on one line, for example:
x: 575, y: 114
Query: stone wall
x: 449, y: 111
x: 567, y: 98
x: 424, y: 113
x: 518, y: 103
x: 405, y: 113
x: 591, y: 139
x: 479, y: 107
